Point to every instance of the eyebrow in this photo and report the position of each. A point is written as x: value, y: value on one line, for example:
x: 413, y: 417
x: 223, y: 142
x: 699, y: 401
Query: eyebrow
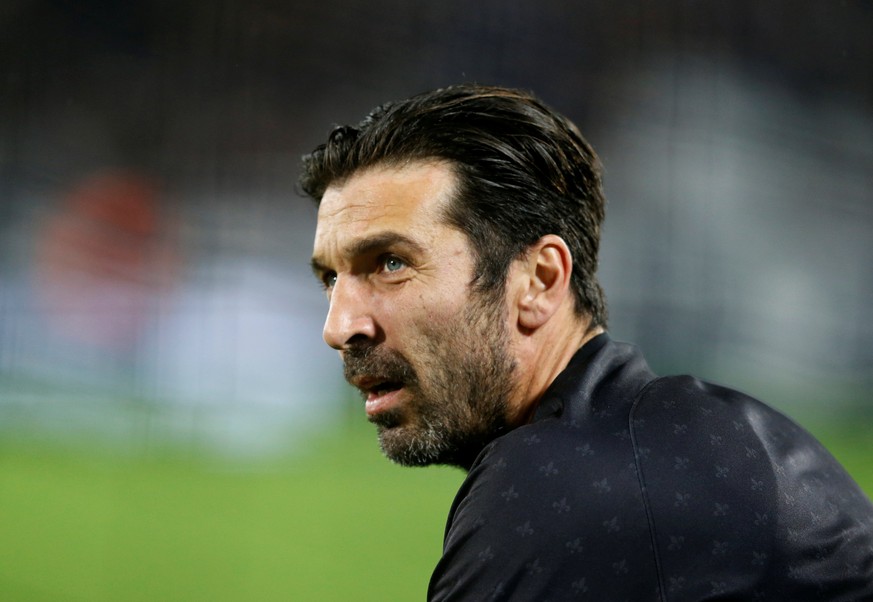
x: 370, y: 244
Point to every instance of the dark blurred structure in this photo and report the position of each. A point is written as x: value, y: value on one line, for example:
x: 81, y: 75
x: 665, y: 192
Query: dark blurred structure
x: 737, y: 139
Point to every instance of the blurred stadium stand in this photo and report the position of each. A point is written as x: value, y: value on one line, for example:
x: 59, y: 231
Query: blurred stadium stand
x: 154, y: 280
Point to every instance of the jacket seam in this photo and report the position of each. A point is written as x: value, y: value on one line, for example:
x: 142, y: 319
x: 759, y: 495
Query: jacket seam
x: 650, y: 519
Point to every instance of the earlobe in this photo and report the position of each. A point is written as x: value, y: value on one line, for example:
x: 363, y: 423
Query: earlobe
x: 548, y: 266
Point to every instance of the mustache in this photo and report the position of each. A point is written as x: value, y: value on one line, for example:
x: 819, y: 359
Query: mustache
x: 376, y: 361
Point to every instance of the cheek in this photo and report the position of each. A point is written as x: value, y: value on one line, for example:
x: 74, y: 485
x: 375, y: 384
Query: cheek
x: 426, y: 313
x: 442, y: 316
x: 432, y: 303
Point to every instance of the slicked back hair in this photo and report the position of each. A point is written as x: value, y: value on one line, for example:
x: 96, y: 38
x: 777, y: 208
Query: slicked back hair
x: 523, y: 171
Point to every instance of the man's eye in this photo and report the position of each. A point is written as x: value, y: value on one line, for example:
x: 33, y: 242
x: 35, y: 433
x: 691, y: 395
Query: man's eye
x: 329, y: 280
x: 393, y: 264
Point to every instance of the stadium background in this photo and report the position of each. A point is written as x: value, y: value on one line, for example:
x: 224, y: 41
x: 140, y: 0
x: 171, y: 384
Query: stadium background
x: 172, y: 426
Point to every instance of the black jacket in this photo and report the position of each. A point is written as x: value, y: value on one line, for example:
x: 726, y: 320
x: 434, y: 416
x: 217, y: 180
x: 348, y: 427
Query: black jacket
x: 627, y: 486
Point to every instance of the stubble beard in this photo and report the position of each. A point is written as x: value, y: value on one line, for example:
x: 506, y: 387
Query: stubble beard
x: 456, y: 399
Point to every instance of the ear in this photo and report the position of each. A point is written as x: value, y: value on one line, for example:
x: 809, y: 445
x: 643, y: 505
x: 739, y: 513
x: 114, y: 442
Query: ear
x: 545, y: 282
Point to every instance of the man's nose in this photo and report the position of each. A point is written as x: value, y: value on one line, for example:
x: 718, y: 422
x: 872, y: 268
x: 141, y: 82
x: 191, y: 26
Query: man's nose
x: 349, y: 316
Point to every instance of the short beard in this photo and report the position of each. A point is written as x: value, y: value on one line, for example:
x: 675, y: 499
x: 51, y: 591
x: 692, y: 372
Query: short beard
x: 461, y: 406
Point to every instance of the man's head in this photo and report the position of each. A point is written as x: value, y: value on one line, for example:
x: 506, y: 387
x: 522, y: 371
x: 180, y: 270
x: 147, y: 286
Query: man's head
x: 442, y: 234
x: 523, y: 171
x: 430, y: 358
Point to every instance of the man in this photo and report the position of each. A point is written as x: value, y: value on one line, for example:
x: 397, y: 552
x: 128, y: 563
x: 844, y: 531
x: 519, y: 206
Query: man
x: 457, y: 241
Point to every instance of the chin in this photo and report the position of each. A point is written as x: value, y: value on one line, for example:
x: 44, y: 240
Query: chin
x: 409, y: 446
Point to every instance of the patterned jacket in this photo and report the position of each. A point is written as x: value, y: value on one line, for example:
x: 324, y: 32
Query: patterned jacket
x: 631, y: 487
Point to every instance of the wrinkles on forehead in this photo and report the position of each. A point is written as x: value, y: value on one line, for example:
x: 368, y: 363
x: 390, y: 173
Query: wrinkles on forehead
x: 391, y: 184
x: 408, y: 202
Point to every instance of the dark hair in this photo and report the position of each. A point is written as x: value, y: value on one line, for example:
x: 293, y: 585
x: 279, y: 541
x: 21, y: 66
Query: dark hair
x: 523, y: 171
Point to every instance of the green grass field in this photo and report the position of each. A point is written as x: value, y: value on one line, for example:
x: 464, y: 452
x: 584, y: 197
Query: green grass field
x: 337, y: 522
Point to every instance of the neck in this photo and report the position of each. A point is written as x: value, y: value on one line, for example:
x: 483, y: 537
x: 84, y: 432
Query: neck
x: 542, y: 356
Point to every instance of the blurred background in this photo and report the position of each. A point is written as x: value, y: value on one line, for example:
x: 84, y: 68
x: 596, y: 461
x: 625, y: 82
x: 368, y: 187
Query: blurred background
x: 172, y: 426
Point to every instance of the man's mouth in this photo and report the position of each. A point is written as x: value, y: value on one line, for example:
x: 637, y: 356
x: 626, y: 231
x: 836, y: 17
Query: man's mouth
x: 383, y: 388
x: 380, y: 395
x: 384, y: 378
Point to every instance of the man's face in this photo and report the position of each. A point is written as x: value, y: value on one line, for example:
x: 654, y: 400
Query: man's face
x: 430, y: 357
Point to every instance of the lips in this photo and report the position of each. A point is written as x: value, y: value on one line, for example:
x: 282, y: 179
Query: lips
x: 383, y: 401
x: 382, y: 376
x: 379, y: 394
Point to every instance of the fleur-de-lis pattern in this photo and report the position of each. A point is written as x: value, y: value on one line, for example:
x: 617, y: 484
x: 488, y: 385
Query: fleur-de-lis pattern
x: 631, y: 487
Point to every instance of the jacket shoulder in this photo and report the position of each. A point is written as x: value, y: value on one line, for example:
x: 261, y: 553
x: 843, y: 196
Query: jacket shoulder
x: 728, y: 478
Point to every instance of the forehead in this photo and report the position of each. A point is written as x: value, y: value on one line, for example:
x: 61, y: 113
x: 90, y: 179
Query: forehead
x: 409, y: 199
